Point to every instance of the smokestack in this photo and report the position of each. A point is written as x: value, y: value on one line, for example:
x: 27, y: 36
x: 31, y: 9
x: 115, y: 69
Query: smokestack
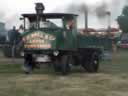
x: 39, y: 8
x: 109, y: 21
x: 86, y: 20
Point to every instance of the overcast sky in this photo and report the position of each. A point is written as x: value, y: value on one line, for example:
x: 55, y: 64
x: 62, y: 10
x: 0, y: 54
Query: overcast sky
x: 10, y: 10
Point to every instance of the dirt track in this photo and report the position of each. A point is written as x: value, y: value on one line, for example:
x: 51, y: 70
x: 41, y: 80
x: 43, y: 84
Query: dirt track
x: 11, y: 61
x: 4, y: 60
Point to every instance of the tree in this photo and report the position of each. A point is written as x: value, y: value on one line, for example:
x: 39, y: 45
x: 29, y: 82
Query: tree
x: 123, y: 20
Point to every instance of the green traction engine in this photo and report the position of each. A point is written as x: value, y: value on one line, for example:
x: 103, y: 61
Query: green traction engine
x: 54, y: 38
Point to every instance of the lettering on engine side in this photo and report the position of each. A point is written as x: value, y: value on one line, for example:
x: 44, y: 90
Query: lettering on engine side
x: 38, y: 40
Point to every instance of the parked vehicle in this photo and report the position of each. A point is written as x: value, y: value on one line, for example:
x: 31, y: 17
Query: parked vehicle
x: 123, y: 43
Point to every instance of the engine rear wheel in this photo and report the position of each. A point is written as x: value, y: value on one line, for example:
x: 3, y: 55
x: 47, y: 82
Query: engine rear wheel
x: 91, y: 63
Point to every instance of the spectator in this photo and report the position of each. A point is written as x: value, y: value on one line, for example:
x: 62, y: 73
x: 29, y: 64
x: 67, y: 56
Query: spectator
x: 14, y: 35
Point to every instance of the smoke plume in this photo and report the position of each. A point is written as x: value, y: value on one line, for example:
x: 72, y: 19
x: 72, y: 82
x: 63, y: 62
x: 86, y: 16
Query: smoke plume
x: 12, y: 20
x: 98, y: 12
x: 77, y: 8
x: 2, y: 16
x: 101, y: 10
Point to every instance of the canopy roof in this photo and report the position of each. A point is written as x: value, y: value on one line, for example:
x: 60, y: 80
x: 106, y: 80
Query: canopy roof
x: 48, y: 15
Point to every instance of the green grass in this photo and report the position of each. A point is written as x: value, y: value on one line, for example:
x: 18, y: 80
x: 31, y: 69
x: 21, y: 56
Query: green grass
x: 111, y: 80
x: 118, y: 65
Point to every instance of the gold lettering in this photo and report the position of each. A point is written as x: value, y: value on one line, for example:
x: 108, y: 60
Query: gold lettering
x: 51, y: 38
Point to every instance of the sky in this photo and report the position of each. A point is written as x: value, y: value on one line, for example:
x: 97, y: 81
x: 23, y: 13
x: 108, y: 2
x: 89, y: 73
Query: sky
x: 10, y: 10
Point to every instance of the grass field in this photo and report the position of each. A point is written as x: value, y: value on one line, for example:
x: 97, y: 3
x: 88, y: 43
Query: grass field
x: 111, y: 80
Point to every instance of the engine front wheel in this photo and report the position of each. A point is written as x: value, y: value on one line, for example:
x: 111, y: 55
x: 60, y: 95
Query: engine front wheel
x: 29, y: 63
x: 65, y: 65
x: 27, y: 68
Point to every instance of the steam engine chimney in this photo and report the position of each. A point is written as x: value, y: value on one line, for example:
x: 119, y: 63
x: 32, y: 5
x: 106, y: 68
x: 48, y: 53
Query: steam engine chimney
x: 109, y: 21
x: 39, y: 8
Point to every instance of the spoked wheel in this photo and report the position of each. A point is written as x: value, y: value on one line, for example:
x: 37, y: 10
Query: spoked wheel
x: 91, y: 63
x: 65, y: 65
